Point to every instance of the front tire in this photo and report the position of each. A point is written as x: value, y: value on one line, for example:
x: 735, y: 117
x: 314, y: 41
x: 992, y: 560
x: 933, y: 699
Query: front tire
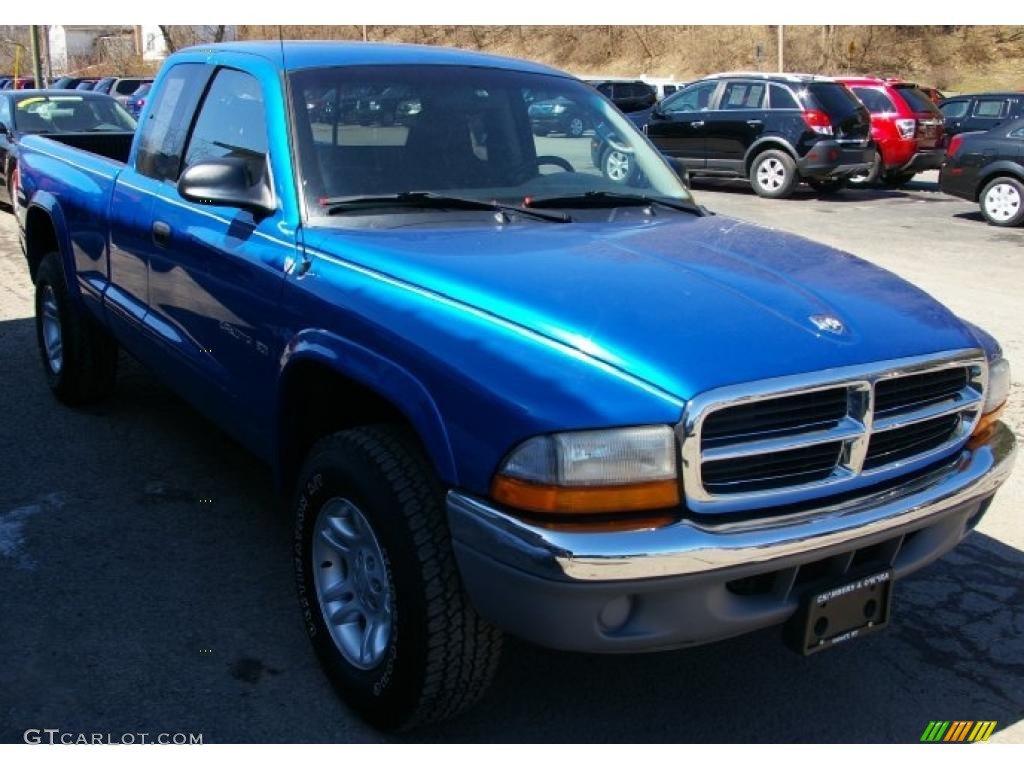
x: 79, y: 356
x: 1002, y: 202
x: 773, y: 174
x: 372, y: 547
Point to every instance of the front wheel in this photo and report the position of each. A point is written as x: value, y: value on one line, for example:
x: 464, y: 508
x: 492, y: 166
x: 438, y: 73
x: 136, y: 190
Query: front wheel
x: 1002, y: 202
x: 381, y: 597
x: 617, y: 165
x: 773, y: 174
x: 575, y: 127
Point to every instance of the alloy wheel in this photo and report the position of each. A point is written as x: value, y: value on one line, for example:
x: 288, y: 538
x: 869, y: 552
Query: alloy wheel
x: 353, y: 586
x: 616, y: 166
x: 53, y: 339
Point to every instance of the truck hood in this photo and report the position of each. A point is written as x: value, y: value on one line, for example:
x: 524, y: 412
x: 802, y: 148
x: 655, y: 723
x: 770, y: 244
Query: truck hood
x: 684, y: 304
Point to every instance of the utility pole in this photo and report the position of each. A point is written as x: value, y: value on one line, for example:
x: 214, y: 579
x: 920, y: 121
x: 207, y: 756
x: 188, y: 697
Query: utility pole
x: 781, y: 45
x: 37, y: 64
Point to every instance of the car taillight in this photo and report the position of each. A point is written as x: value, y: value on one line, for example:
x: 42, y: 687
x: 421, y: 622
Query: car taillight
x: 906, y: 127
x: 818, y: 121
x: 954, y: 144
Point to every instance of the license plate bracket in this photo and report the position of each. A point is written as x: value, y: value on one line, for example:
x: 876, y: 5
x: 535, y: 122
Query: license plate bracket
x: 842, y: 610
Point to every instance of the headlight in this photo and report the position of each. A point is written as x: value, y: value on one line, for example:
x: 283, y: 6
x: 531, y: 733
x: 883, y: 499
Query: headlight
x: 605, y: 470
x: 558, y: 109
x: 998, y: 385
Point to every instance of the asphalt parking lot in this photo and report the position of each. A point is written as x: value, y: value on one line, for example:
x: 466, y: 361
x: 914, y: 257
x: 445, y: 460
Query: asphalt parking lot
x: 127, y: 604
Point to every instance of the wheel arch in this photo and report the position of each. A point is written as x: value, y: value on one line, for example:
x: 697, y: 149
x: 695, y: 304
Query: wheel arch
x: 328, y: 383
x: 42, y: 233
x: 765, y: 143
x: 994, y: 171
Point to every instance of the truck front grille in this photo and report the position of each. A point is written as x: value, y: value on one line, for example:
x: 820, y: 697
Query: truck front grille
x: 787, y: 440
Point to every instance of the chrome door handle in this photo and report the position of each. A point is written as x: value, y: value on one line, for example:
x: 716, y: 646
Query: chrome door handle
x: 697, y: 123
x: 754, y: 122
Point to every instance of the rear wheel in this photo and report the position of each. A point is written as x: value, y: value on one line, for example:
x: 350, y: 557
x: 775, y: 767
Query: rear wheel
x: 1002, y: 202
x: 869, y: 177
x: 575, y: 127
x: 773, y: 174
x: 79, y: 356
x: 379, y: 589
x: 896, y: 180
x: 827, y: 186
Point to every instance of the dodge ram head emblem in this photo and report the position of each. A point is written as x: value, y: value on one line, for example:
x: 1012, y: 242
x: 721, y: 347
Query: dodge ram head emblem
x: 828, y: 323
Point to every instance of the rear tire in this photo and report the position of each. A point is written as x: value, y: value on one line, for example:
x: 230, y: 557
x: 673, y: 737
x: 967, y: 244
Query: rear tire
x: 827, y: 186
x: 870, y: 177
x: 1002, y: 202
x: 430, y: 655
x: 618, y: 166
x: 79, y: 357
x: 773, y: 174
x: 897, y: 180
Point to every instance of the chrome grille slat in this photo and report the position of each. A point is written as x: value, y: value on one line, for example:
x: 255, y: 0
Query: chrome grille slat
x: 887, y: 418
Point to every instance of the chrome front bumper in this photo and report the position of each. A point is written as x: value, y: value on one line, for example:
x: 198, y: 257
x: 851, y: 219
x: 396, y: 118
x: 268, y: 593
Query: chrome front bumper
x: 554, y: 586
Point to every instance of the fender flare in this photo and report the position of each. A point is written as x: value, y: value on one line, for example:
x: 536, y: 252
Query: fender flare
x: 756, y: 148
x: 995, y: 168
x: 381, y: 376
x: 46, y: 202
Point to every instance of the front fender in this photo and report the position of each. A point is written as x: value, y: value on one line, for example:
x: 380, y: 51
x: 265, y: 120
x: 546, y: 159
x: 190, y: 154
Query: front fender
x: 380, y: 375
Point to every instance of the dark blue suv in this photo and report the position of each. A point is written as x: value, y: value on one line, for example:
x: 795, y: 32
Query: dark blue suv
x: 775, y: 129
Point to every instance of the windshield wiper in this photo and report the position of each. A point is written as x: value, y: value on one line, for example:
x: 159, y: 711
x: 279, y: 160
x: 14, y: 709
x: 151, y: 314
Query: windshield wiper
x: 350, y: 203
x: 603, y: 199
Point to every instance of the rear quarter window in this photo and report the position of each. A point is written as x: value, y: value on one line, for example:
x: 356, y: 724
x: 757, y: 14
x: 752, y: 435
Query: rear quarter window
x: 781, y: 98
x: 990, y: 108
x: 875, y: 99
x: 916, y: 99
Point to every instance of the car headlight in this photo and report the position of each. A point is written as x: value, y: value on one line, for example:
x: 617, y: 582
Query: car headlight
x: 995, y: 398
x: 603, y: 470
x: 998, y: 385
x: 558, y: 109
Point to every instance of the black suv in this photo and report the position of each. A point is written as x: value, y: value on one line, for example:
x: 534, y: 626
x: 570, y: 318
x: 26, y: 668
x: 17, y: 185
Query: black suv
x: 980, y: 111
x: 776, y: 130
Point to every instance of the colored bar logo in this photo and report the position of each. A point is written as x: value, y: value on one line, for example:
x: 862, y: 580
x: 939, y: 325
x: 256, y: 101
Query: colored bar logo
x: 958, y: 730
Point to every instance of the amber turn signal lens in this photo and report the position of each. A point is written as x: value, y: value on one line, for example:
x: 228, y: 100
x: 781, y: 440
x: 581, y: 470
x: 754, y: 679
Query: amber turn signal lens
x: 533, y: 497
x: 983, y: 429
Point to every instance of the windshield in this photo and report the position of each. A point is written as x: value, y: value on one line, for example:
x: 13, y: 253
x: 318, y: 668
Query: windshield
x: 474, y: 132
x: 70, y: 114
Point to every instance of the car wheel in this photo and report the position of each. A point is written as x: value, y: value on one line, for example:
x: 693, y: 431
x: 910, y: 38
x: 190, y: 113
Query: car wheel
x: 79, y: 356
x: 575, y: 127
x: 869, y: 177
x: 897, y: 180
x: 827, y: 186
x: 378, y: 585
x: 773, y: 174
x: 1002, y: 202
x: 617, y: 165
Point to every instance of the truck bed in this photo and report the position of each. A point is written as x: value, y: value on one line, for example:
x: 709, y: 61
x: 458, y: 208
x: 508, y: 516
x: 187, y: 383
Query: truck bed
x: 112, y: 145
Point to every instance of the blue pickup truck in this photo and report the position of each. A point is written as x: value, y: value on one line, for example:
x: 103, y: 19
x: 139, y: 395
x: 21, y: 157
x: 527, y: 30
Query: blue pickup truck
x: 499, y: 392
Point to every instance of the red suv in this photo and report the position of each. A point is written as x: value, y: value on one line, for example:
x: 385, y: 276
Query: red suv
x: 907, y: 128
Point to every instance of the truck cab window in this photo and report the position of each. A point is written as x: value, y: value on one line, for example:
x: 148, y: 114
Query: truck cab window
x: 231, y: 123
x: 162, y: 136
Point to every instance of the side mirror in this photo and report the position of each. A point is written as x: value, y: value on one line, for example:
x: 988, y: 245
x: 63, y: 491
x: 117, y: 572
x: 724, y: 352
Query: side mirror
x: 228, y: 181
